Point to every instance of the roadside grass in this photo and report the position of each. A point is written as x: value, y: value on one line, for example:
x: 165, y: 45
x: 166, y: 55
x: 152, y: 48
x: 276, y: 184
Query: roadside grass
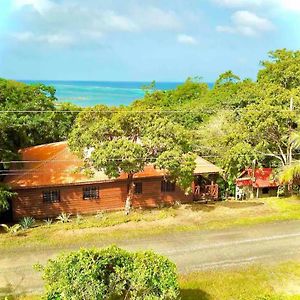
x: 279, y: 282
x: 273, y: 282
x: 107, y: 227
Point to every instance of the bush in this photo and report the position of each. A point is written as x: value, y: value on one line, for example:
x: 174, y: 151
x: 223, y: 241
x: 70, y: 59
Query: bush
x: 27, y: 222
x: 64, y: 218
x: 110, y: 273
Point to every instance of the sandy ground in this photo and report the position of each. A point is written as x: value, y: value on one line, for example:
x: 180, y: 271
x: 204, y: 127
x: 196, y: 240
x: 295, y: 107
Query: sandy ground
x: 191, y: 251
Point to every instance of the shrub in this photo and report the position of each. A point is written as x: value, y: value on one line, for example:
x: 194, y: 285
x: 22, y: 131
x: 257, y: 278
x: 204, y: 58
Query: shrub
x: 79, y: 219
x: 27, y: 222
x: 11, y: 229
x: 153, y: 276
x: 64, y: 218
x: 48, y: 222
x: 109, y: 273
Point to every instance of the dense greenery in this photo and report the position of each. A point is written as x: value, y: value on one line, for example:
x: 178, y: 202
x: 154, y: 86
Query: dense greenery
x: 238, y: 123
x: 123, y: 140
x: 110, y: 273
x: 38, y: 124
x: 5, y: 195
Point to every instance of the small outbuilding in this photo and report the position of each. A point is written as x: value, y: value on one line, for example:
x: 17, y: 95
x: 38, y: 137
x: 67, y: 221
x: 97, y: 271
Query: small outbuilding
x: 257, y: 184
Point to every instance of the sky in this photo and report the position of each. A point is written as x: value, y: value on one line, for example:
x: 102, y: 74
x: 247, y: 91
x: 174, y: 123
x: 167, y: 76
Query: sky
x: 134, y: 40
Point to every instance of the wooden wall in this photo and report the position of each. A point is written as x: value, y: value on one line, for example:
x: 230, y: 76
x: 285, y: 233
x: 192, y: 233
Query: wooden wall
x: 29, y: 202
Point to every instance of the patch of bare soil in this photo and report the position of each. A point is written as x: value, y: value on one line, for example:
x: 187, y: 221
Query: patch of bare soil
x: 288, y: 287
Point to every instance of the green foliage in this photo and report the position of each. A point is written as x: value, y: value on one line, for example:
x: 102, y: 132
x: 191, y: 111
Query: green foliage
x: 48, y: 222
x: 21, y: 129
x: 108, y: 273
x: 153, y: 276
x: 261, y: 121
x: 5, y: 194
x: 282, y: 69
x: 64, y: 218
x: 121, y: 140
x: 11, y: 229
x: 27, y: 222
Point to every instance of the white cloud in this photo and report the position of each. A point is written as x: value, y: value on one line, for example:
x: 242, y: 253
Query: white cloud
x: 292, y: 5
x: 74, y: 21
x: 50, y: 39
x: 238, y: 3
x: 247, y: 23
x: 286, y: 5
x: 155, y: 18
x: 40, y: 6
x: 113, y: 21
x: 186, y: 39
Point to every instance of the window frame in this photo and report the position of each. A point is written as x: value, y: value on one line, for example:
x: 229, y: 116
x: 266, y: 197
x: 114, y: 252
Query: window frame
x: 167, y: 186
x: 89, y: 189
x: 139, y: 190
x: 48, y: 196
x: 135, y: 192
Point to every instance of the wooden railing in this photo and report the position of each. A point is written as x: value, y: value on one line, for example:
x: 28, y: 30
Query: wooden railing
x: 206, y: 192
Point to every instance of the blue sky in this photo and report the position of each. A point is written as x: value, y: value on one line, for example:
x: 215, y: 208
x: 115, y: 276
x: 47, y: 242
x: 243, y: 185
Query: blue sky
x: 163, y: 40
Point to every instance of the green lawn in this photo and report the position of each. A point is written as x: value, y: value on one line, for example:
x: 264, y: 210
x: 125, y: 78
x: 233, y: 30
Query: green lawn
x: 113, y: 226
x: 252, y: 283
x: 277, y: 282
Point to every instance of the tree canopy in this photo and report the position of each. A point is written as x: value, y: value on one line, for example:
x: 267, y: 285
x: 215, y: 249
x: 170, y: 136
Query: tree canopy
x: 124, y: 140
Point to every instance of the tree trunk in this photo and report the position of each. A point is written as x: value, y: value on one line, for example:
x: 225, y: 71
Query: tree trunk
x: 130, y: 194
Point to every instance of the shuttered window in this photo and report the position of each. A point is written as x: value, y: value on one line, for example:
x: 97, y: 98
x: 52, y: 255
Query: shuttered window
x: 51, y: 196
x: 91, y: 192
x: 167, y: 186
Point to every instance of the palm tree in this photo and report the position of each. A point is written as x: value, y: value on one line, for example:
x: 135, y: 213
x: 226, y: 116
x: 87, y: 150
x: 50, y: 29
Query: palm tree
x: 291, y: 172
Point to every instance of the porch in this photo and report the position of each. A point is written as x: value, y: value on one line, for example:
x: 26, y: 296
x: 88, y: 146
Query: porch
x: 205, y: 188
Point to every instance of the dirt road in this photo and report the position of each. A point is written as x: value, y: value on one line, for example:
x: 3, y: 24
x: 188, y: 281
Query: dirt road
x: 197, y: 250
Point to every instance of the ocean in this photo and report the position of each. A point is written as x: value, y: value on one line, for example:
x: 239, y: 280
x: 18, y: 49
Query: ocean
x: 89, y: 93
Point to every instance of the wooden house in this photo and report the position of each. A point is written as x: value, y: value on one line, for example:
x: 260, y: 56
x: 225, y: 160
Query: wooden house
x: 257, y: 184
x: 47, y: 183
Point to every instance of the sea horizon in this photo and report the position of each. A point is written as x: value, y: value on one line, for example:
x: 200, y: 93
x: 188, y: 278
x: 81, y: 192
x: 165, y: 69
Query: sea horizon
x: 113, y: 93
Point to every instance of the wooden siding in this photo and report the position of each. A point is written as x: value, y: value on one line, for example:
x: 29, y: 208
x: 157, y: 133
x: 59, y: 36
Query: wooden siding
x: 29, y: 202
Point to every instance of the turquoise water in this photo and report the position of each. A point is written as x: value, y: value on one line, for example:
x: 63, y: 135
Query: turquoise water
x: 88, y: 93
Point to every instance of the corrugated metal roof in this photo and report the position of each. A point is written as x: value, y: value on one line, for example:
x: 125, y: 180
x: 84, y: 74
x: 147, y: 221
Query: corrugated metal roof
x: 262, y: 178
x: 54, y: 164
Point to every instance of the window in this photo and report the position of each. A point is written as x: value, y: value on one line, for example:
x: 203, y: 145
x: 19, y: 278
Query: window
x: 265, y: 191
x: 167, y: 186
x: 51, y: 196
x: 138, y: 188
x: 90, y: 192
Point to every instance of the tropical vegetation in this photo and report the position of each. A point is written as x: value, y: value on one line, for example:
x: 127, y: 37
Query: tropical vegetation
x: 237, y: 123
x: 110, y: 273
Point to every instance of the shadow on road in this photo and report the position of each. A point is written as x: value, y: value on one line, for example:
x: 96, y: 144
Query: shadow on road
x: 192, y: 294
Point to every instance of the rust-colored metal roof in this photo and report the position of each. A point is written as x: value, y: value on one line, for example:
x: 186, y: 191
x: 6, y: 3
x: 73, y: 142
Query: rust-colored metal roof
x: 54, y: 164
x: 261, y: 178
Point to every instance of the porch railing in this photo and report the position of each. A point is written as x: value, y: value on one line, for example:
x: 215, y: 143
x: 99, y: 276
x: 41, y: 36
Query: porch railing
x: 206, y: 192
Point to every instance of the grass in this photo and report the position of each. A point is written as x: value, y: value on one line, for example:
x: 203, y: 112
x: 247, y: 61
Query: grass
x: 273, y: 282
x: 109, y: 227
x: 252, y: 283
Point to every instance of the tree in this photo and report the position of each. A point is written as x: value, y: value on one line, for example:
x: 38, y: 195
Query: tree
x: 263, y: 119
x: 29, y: 116
x: 282, y: 68
x: 184, y: 105
x: 5, y: 195
x: 124, y: 141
